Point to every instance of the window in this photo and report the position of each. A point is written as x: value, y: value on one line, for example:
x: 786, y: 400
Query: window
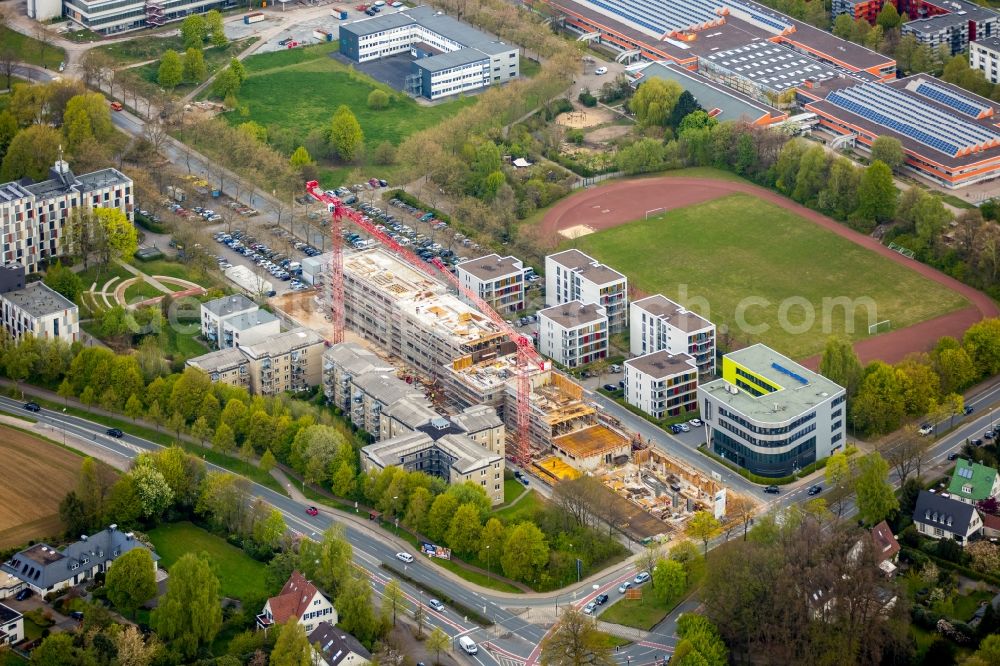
x: 938, y: 532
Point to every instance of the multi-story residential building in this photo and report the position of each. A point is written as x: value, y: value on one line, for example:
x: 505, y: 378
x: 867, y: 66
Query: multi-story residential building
x: 373, y: 393
x: 940, y: 516
x: 411, y: 316
x: 39, y: 311
x: 34, y: 217
x: 215, y: 312
x: 573, y: 333
x: 341, y: 364
x: 954, y: 28
x: 450, y: 57
x: 44, y: 569
x: 11, y: 626
x: 573, y: 276
x: 769, y: 414
x: 228, y: 366
x: 110, y: 17
x: 300, y: 600
x: 984, y: 55
x: 497, y: 280
x: 657, y: 323
x: 972, y: 482
x: 662, y: 384
x: 248, y: 328
x: 290, y: 361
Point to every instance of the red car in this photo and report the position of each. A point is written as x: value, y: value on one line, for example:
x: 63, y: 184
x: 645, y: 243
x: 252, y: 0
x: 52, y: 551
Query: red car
x: 312, y: 511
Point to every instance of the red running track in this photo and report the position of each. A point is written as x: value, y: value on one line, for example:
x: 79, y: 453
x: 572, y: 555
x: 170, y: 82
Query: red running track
x: 620, y: 202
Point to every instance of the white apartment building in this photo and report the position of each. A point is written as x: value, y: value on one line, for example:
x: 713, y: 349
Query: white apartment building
x: 228, y: 366
x: 662, y: 384
x: 341, y: 364
x: 571, y: 275
x: 984, y: 55
x: 110, y: 17
x: 497, y: 280
x: 657, y: 323
x: 248, y: 329
x: 39, y: 311
x: 33, y: 217
x: 214, y: 313
x: 573, y: 333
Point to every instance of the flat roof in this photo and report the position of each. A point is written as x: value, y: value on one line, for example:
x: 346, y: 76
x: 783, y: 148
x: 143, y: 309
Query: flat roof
x: 710, y: 95
x: 355, y: 358
x: 595, y: 440
x: 662, y: 364
x: 600, y: 274
x: 385, y: 387
x: 13, y: 191
x: 102, y: 178
x: 571, y: 259
x: 228, y: 305
x: 376, y: 24
x: 38, y: 300
x: 250, y: 319
x: 284, y: 343
x: 445, y: 61
x: 672, y: 313
x: 586, y: 266
x: 218, y: 361
x: 491, y: 266
x: 773, y: 66
x: 991, y: 43
x: 959, y: 12
x: 465, y: 453
x: 802, y: 389
x: 574, y: 313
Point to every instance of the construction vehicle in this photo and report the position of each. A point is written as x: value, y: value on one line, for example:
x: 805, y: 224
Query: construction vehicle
x: 527, y: 355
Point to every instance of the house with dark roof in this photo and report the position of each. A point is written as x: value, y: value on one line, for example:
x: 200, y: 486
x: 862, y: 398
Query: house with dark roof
x: 883, y: 542
x: 972, y: 482
x: 11, y: 626
x: 45, y: 569
x: 333, y: 647
x: 941, y: 516
x: 299, y: 599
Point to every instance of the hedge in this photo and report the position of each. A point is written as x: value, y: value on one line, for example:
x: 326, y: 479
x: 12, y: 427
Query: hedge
x: 149, y: 225
x: 947, y: 564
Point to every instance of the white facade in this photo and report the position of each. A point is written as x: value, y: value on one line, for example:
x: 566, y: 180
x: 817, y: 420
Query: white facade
x: 214, y: 313
x: 249, y: 329
x: 43, y: 10
x: 11, y: 626
x: 110, y: 17
x: 984, y: 55
x: 573, y: 276
x: 497, y: 280
x: 573, y: 333
x: 33, y: 217
x: 662, y: 384
x: 656, y: 323
x: 41, y: 312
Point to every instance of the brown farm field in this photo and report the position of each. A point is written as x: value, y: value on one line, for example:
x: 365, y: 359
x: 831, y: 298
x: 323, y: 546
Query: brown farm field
x: 29, y: 499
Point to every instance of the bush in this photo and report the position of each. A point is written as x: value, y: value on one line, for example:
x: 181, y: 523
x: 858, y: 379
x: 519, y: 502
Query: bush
x: 587, y: 98
x: 378, y: 100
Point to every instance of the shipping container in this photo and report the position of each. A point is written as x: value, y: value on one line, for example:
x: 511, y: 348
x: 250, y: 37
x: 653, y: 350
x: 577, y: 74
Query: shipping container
x: 253, y: 17
x: 323, y: 35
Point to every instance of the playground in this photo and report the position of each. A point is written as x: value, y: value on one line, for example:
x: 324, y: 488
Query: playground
x: 725, y: 240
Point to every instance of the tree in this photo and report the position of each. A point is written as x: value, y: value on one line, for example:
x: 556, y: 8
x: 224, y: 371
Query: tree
x: 327, y: 563
x: 193, y: 31
x: 236, y: 67
x: 982, y: 342
x: 642, y: 156
x: 392, y: 598
x: 8, y: 128
x: 31, y: 153
x: 214, y: 28
x: 669, y: 579
x: 464, y: 530
x: 267, y: 461
x: 73, y: 514
x: 201, y: 431
x: 888, y: 149
x: 419, y: 618
x: 686, y: 105
x: 87, y: 116
x: 152, y: 490
x: 437, y: 641
x: 171, y: 71
x: 700, y: 638
x: 56, y: 650
x: 292, y: 647
x: 64, y: 281
x: 879, y: 406
x: 92, y: 488
x: 300, y: 158
x: 354, y: 608
x: 195, y: 70
x: 440, y: 515
x: 122, y: 239
x: 346, y: 136
x: 132, y: 649
x: 704, y: 527
x: 378, y: 99
x: 876, y: 499
x: 575, y: 642
x: 877, y: 193
x: 131, y: 581
x: 224, y: 440
x: 840, y: 478
x: 525, y: 552
x: 226, y: 83
x: 654, y: 101
x: 189, y: 614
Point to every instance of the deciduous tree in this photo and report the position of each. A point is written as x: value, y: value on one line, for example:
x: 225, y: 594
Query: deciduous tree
x: 876, y: 500
x: 195, y: 70
x: 392, y: 599
x: 292, y: 647
x: 436, y: 642
x: 189, y: 615
x: 704, y: 527
x: 525, y: 552
x: 575, y: 642
x: 464, y: 530
x: 346, y: 136
x: 171, y: 71
x: 654, y: 101
x: 354, y: 608
x: 131, y: 581
x: 31, y: 153
x: 877, y: 193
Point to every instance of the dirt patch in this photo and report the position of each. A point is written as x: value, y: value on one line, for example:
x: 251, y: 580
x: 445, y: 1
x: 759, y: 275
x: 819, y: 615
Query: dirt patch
x: 576, y: 231
x: 624, y: 201
x: 29, y: 507
x: 580, y: 117
x: 609, y: 133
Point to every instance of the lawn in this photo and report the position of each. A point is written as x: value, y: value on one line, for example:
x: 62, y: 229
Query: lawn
x: 526, y: 509
x: 240, y: 576
x: 142, y: 48
x: 783, y: 277
x: 608, y: 641
x: 140, y: 291
x: 215, y: 59
x: 642, y: 613
x: 512, y: 489
x: 967, y: 604
x: 29, y: 49
x: 311, y: 85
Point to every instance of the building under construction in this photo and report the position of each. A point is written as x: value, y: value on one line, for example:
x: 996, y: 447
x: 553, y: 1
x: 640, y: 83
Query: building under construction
x: 412, y: 316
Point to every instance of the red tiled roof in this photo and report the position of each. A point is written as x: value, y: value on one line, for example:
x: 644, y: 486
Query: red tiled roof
x: 885, y: 543
x: 293, y: 599
x: 990, y: 521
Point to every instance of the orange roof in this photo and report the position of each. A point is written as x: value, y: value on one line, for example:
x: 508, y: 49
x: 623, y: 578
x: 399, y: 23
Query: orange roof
x: 293, y: 600
x: 885, y: 543
x: 593, y: 441
x: 990, y: 521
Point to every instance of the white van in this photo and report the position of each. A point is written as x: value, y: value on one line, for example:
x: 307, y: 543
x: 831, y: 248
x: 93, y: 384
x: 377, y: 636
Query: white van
x: 468, y: 645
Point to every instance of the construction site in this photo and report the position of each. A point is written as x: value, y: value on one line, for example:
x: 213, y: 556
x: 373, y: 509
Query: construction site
x: 461, y: 354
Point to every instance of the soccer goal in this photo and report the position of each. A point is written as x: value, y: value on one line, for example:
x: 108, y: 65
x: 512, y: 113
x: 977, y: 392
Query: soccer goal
x: 883, y: 325
x: 655, y: 212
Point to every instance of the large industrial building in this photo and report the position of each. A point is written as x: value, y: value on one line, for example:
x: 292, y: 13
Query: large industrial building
x: 770, y: 415
x: 448, y: 56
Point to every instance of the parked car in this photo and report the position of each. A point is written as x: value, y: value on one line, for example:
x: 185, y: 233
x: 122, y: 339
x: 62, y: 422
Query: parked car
x: 32, y: 407
x: 404, y: 557
x: 684, y: 427
x: 312, y: 511
x: 624, y: 586
x: 436, y: 605
x: 976, y: 442
x: 815, y: 490
x: 24, y: 594
x: 77, y: 615
x: 676, y: 429
x: 589, y: 608
x: 601, y: 599
x: 926, y: 428
x: 601, y: 70
x: 773, y: 490
x: 610, y: 387
x: 114, y: 432
x: 641, y: 578
x: 695, y: 422
x: 952, y: 456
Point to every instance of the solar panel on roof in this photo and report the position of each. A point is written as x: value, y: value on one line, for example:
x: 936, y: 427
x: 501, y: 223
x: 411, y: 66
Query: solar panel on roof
x: 965, y: 472
x: 954, y: 100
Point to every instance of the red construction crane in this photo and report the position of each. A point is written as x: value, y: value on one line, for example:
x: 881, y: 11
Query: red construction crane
x: 527, y: 355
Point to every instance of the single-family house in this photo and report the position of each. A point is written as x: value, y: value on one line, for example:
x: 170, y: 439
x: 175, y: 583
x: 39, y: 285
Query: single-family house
x: 883, y: 543
x: 334, y: 647
x: 972, y: 482
x: 11, y: 626
x: 299, y: 599
x: 940, y: 516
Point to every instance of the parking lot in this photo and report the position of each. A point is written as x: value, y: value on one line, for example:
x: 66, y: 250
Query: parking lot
x: 303, y: 33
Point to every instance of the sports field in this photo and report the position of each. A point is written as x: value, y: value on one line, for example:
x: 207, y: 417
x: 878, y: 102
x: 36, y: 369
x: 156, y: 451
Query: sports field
x: 767, y: 274
x: 29, y: 499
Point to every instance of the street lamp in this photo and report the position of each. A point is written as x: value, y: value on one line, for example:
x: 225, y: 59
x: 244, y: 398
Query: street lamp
x: 489, y: 571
